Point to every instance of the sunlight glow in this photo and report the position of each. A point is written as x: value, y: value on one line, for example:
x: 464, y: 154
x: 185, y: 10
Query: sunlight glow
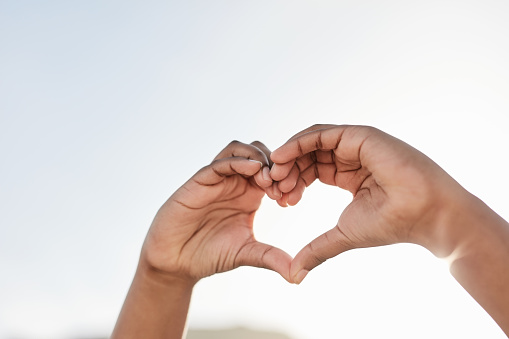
x: 106, y: 109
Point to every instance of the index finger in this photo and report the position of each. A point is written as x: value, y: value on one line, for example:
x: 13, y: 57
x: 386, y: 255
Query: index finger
x: 311, y: 129
x: 305, y: 142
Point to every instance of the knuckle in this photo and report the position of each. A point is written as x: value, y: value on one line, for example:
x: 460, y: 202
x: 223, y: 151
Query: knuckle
x: 319, y: 259
x: 368, y: 130
x: 316, y: 257
x: 233, y: 143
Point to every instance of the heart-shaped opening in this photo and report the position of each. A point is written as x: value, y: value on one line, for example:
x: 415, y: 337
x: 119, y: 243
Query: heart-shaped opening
x: 293, y: 227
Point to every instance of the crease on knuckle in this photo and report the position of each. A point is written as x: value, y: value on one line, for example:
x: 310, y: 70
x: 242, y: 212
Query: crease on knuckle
x: 317, y: 258
x: 299, y: 147
x: 262, y: 258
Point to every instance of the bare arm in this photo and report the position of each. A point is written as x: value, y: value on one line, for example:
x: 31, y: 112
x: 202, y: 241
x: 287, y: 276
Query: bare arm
x: 399, y: 195
x: 205, y: 227
x: 478, y: 239
x: 156, y: 306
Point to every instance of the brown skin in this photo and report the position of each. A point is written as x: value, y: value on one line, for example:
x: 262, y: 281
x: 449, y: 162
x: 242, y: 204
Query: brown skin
x: 205, y: 227
x: 399, y: 195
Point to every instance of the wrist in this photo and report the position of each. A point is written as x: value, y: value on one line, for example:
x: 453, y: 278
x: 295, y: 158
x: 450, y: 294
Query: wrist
x: 462, y: 224
x: 155, y: 307
x: 161, y: 262
x: 475, y: 241
x: 156, y: 276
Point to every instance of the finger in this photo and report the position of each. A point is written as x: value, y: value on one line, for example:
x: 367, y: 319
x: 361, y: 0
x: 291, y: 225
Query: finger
x: 261, y: 146
x: 283, y: 201
x: 288, y: 183
x: 281, y: 170
x: 327, y: 245
x: 273, y: 191
x: 349, y: 145
x: 324, y: 157
x: 240, y: 149
x: 261, y: 255
x: 263, y: 179
x: 312, y: 128
x: 218, y: 170
x: 305, y: 161
x: 308, y: 171
x: 296, y: 194
x: 324, y: 172
x: 319, y: 139
x: 302, y: 164
x: 250, y: 151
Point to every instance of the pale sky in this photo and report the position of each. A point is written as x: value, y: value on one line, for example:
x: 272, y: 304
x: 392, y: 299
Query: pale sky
x: 107, y: 107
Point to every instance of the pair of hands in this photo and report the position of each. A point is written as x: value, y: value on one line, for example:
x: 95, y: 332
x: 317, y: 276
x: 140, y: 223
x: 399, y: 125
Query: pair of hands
x: 206, y: 226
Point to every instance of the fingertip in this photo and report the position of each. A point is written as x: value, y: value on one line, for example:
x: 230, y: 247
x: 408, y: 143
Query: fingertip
x: 266, y: 174
x: 257, y: 162
x: 249, y: 167
x: 274, y: 156
x: 299, y: 277
x: 266, y: 256
x: 284, y: 198
x: 288, y: 184
x: 275, y: 172
x: 280, y: 203
x: 293, y: 199
x: 283, y: 201
x: 261, y: 181
x: 280, y: 171
x: 296, y: 267
x: 276, y: 191
x: 268, y: 192
x: 284, y: 188
x: 295, y: 195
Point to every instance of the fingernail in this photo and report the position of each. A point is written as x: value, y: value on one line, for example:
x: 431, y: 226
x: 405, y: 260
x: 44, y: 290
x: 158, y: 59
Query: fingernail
x: 266, y: 174
x: 300, y: 276
x: 259, y: 162
x: 284, y: 199
x: 290, y: 203
x: 276, y: 191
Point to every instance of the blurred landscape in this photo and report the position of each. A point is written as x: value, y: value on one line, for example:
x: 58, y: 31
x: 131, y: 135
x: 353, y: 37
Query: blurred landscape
x: 236, y: 333
x: 230, y: 333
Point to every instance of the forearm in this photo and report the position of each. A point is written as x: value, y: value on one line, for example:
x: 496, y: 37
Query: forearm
x: 155, y: 307
x: 478, y: 241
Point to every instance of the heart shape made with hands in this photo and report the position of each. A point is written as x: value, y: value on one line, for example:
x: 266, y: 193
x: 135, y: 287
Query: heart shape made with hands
x: 392, y: 186
x: 206, y: 227
x: 298, y: 224
x: 333, y: 213
x: 286, y: 181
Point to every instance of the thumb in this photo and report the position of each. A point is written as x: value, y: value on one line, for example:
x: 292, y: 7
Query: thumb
x: 261, y: 255
x: 327, y: 245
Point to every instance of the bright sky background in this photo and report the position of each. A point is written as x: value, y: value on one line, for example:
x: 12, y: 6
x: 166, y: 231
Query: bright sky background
x: 107, y: 107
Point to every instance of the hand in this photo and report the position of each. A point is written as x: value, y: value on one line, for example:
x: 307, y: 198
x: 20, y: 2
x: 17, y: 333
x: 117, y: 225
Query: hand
x: 206, y: 226
x: 398, y: 193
